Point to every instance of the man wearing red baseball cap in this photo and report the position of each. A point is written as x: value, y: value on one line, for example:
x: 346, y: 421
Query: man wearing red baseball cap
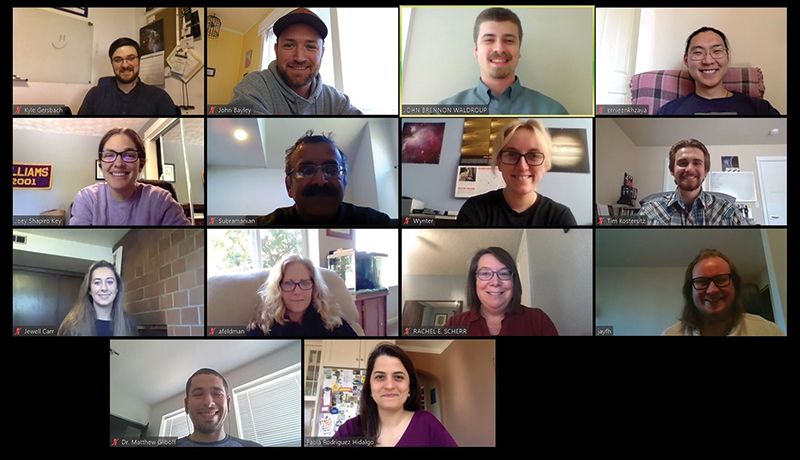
x: 291, y: 84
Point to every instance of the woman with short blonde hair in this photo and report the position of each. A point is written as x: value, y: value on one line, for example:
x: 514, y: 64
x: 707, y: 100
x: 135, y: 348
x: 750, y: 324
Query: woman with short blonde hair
x: 522, y: 153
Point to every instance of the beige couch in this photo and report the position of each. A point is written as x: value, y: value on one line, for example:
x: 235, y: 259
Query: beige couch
x: 231, y: 300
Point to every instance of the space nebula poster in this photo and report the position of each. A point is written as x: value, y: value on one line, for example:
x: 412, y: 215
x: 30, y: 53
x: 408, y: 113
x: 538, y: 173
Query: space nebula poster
x: 422, y: 142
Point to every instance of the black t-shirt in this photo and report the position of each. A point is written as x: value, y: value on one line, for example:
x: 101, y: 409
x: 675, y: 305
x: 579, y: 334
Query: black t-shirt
x: 491, y: 209
x: 312, y: 326
x: 348, y: 214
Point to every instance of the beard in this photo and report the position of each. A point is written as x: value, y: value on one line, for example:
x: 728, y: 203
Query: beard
x: 133, y: 76
x: 690, y: 184
x: 294, y: 80
x: 500, y: 72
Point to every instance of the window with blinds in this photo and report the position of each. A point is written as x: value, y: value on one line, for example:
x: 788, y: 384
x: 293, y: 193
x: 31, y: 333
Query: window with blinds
x: 176, y: 424
x: 268, y: 410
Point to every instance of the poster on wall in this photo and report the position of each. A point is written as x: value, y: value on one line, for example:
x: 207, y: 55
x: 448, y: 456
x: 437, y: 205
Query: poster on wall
x: 422, y: 142
x: 151, y: 38
x: 32, y: 176
x: 569, y: 152
x: 476, y: 180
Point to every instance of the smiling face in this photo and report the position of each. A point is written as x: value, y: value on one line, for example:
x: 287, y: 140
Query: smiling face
x: 103, y: 287
x: 714, y: 302
x: 317, y: 197
x: 207, y: 405
x: 497, y: 49
x: 689, y: 168
x: 494, y: 294
x: 127, y: 70
x: 298, y: 55
x: 120, y: 176
x: 297, y: 300
x: 389, y: 383
x: 521, y: 178
x: 707, y: 72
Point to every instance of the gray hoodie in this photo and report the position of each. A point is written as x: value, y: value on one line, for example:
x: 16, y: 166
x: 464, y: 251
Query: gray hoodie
x: 267, y: 94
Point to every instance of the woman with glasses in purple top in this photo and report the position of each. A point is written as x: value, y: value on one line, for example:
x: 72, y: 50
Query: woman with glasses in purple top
x: 121, y: 199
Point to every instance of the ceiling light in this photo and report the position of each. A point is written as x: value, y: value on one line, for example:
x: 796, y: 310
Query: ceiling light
x: 240, y: 134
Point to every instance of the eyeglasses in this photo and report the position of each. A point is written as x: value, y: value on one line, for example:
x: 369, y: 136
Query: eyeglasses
x: 699, y: 54
x: 128, y: 156
x: 512, y: 158
x: 306, y: 171
x: 130, y: 59
x: 288, y: 286
x: 504, y: 274
x: 701, y: 283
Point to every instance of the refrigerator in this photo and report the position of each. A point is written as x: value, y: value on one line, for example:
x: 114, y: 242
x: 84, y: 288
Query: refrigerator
x: 340, y: 391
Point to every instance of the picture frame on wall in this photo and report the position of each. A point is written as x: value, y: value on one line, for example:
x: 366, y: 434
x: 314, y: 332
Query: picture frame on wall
x: 168, y: 173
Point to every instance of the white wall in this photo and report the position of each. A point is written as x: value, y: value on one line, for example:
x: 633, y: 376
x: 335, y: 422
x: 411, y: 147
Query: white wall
x: 61, y: 248
x: 757, y: 38
x: 556, y: 55
x: 435, y: 183
x: 236, y: 191
x: 109, y: 24
x: 560, y: 267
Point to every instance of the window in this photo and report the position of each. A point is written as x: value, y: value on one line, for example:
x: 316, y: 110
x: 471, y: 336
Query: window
x: 241, y: 250
x: 176, y: 424
x: 267, y: 409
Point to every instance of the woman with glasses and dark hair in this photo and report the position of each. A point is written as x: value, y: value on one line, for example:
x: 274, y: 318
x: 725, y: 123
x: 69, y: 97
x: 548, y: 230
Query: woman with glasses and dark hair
x: 713, y: 301
x: 494, y: 296
x: 98, y: 311
x: 390, y: 408
x: 296, y: 303
x: 122, y: 199
x: 522, y: 154
x: 707, y: 56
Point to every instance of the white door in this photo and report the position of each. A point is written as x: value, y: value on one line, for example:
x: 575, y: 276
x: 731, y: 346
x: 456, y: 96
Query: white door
x: 617, y: 30
x: 772, y: 179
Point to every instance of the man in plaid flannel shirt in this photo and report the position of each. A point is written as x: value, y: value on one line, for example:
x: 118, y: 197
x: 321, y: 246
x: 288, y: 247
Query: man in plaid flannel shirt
x: 689, y: 163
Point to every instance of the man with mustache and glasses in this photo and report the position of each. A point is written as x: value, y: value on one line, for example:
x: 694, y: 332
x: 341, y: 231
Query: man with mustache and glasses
x: 291, y: 84
x: 689, y: 163
x: 127, y: 95
x: 498, y: 36
x: 207, y: 402
x: 316, y: 176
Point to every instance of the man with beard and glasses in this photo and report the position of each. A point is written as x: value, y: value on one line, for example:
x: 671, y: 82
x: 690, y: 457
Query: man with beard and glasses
x: 316, y: 176
x: 291, y: 84
x: 498, y: 36
x: 126, y: 95
x: 207, y: 402
x: 689, y: 163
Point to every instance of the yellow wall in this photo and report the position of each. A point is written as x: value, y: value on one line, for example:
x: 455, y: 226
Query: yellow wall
x: 227, y: 55
x: 223, y: 55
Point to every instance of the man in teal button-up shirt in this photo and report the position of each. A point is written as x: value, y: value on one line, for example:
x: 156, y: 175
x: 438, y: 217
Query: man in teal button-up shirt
x: 497, y: 35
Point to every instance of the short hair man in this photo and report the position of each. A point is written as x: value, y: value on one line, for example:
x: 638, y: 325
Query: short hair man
x: 715, y: 301
x: 208, y: 400
x: 498, y: 37
x: 291, y: 84
x: 316, y: 177
x: 689, y: 163
x: 127, y: 95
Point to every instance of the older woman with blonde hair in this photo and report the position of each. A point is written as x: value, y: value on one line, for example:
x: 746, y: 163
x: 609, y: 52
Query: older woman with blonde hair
x: 98, y: 311
x: 522, y: 154
x: 296, y: 302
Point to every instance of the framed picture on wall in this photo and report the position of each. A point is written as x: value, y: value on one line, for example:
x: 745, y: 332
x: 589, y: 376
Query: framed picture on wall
x: 346, y: 233
x: 169, y: 172
x: 98, y: 172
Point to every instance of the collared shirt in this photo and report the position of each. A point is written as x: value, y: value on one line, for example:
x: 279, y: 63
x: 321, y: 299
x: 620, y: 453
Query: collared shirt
x: 523, y: 322
x: 145, y: 100
x: 706, y: 210
x: 515, y: 100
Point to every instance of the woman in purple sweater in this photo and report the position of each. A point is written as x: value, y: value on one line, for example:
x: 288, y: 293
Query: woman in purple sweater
x: 390, y: 407
x: 121, y: 199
